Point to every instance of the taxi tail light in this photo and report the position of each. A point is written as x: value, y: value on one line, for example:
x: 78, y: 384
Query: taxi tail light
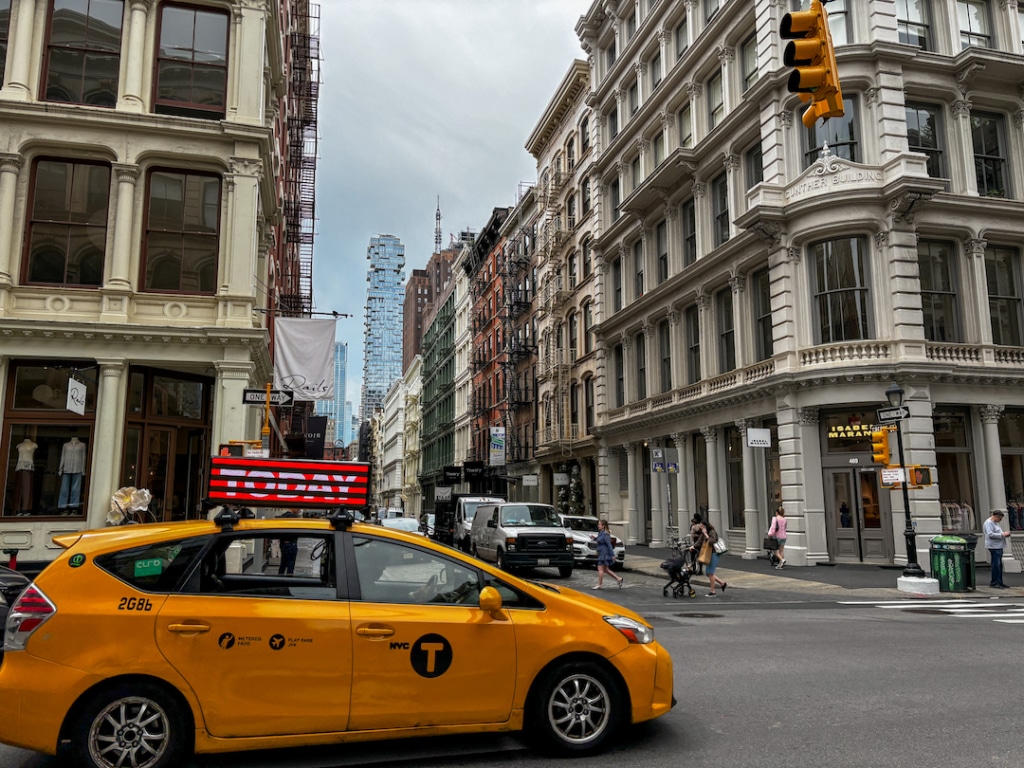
x: 27, y: 615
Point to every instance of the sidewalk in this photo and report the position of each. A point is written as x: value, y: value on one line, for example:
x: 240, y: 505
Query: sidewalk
x: 839, y: 581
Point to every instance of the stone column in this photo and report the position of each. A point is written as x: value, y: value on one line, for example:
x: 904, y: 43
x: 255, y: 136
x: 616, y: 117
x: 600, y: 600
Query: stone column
x: 978, y: 324
x: 714, y: 503
x: 752, y: 546
x: 124, y: 218
x: 682, y: 482
x: 963, y: 179
x: 229, y: 414
x: 994, y: 480
x: 131, y: 99
x: 634, y: 532
x: 249, y: 59
x: 106, y: 463
x: 707, y: 339
x: 810, y: 544
x: 18, y: 86
x: 742, y: 322
x: 658, y: 482
x: 628, y: 371
x: 653, y: 361
x: 675, y: 319
x: 10, y: 165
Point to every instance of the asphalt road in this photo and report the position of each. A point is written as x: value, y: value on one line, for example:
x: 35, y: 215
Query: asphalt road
x: 817, y: 675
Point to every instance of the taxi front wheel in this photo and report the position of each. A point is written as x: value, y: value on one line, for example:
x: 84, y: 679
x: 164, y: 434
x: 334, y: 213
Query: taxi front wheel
x: 578, y: 709
x: 137, y: 724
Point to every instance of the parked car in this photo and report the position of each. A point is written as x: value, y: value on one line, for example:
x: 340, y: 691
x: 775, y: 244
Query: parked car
x: 427, y: 526
x: 138, y: 645
x: 584, y: 540
x: 522, y: 535
x: 407, y: 524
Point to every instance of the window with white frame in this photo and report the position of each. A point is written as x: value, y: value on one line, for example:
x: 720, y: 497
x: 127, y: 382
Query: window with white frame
x: 726, y: 331
x: 688, y: 214
x: 924, y: 123
x: 656, y: 73
x: 682, y: 36
x: 573, y: 331
x: 609, y: 56
x: 617, y: 285
x: 841, y: 289
x: 584, y: 135
x: 572, y: 264
x: 1005, y: 305
x: 913, y: 23
x: 754, y: 164
x: 841, y: 134
x: 631, y: 24
x: 588, y: 328
x: 585, y: 258
x: 638, y: 269
x: 936, y: 268
x: 692, y: 322
x: 640, y: 346
x: 612, y: 118
x: 685, y: 126
x: 620, y: 380
x: 570, y: 153
x: 764, y: 341
x: 83, y: 54
x: 720, y: 208
x: 585, y: 196
x: 661, y: 243
x: 616, y: 199
x: 716, y: 100
x: 711, y: 8
x: 838, y: 19
x: 636, y: 172
x: 989, y: 141
x: 665, y: 356
x: 975, y: 25
x: 588, y: 402
x: 5, y: 19
x: 634, y: 98
x: 658, y: 148
x: 748, y: 61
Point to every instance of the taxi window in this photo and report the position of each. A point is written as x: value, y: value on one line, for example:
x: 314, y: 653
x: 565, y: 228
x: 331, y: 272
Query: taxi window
x: 272, y: 564
x: 510, y: 596
x: 154, y: 567
x: 390, y: 572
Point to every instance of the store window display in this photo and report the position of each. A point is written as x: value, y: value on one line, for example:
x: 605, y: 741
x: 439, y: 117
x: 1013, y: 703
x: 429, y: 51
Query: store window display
x: 955, y: 470
x: 46, y: 470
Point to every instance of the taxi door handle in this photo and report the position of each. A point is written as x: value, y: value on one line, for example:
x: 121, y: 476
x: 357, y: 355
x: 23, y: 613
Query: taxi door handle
x: 375, y: 631
x: 189, y: 628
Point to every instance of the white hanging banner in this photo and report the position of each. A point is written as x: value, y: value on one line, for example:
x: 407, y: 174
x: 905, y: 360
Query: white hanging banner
x: 304, y: 357
x: 76, y: 397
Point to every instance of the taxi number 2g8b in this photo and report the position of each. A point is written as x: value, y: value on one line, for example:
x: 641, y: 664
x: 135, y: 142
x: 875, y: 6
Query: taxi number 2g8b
x: 135, y: 604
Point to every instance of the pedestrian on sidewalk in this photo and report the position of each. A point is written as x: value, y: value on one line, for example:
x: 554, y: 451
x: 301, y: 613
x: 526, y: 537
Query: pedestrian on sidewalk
x: 708, y: 535
x: 778, y: 531
x: 605, y: 555
x: 695, y: 525
x: 995, y: 541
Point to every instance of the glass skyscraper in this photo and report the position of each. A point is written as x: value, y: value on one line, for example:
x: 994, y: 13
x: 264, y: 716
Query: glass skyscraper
x: 382, y: 330
x: 335, y: 409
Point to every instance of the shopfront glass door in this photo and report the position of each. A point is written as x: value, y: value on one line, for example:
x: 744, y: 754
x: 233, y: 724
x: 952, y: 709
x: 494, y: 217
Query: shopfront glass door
x: 858, y: 526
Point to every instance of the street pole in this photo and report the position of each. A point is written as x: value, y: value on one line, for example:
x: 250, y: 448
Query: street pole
x: 913, y: 568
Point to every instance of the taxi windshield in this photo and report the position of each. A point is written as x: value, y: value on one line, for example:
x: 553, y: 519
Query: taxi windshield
x: 528, y: 515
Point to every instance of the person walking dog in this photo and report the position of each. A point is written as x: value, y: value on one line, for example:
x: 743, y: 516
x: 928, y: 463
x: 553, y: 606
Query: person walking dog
x: 778, y: 531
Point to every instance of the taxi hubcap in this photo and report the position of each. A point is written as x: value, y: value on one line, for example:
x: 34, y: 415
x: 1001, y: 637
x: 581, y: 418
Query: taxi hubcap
x: 132, y: 731
x: 578, y: 710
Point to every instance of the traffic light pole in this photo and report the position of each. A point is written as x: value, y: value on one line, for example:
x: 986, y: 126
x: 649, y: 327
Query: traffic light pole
x: 913, y: 569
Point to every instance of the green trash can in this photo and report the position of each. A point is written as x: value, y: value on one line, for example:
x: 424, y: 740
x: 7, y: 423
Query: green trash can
x: 952, y: 561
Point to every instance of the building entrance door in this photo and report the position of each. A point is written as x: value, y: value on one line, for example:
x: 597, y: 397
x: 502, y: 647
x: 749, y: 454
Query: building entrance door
x: 857, y: 519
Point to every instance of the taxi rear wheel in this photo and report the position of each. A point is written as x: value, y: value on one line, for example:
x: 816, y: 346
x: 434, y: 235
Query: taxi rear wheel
x: 137, y: 724
x: 578, y: 709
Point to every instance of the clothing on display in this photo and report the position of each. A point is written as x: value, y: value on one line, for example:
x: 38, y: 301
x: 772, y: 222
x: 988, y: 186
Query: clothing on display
x: 957, y: 516
x: 72, y: 466
x: 24, y: 474
x: 1016, y: 512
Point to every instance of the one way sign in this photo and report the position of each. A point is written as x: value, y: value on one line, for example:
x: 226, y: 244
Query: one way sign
x: 259, y: 397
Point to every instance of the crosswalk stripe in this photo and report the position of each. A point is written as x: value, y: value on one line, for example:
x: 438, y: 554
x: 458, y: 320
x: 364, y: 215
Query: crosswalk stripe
x: 1003, y: 613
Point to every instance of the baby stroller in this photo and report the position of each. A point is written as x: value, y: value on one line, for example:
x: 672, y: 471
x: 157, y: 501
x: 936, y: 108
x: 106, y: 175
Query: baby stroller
x: 680, y: 569
x: 773, y: 553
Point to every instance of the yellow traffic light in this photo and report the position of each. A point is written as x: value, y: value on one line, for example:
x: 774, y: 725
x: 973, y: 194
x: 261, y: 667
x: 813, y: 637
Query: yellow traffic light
x: 880, y: 447
x: 815, y: 76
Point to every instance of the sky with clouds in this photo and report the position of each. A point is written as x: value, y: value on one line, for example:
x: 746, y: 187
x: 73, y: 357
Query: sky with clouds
x: 423, y: 99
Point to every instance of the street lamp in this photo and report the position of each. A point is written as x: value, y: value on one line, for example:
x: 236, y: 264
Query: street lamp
x: 894, y: 394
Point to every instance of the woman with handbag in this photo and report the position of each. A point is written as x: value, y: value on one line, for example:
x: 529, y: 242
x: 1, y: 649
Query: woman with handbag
x: 707, y: 539
x: 778, y: 532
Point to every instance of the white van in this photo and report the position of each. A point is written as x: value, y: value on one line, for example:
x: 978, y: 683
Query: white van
x: 522, y: 535
x: 465, y: 510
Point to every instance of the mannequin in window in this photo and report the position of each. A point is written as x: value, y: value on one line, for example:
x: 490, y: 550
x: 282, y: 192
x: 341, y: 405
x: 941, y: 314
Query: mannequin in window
x: 24, y: 473
x: 72, y: 465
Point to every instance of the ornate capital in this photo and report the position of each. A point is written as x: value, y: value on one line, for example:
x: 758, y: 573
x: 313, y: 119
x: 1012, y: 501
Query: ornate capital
x: 726, y: 53
x: 793, y: 254
x: 699, y: 188
x: 961, y: 108
x: 768, y: 230
x: 743, y: 424
x: 693, y: 88
x: 126, y: 174
x: 881, y: 239
x: 246, y: 166
x: 807, y: 416
x: 710, y: 434
x: 11, y: 163
x: 731, y: 162
x: 975, y: 247
x: 142, y: 5
x: 786, y: 118
x: 703, y: 302
x: 990, y: 414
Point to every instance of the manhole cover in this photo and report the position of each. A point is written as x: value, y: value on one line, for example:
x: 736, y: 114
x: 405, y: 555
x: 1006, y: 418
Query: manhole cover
x: 698, y: 615
x: 926, y: 611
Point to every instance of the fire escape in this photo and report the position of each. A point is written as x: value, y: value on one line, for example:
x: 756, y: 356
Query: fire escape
x: 556, y: 364
x: 519, y: 346
x: 295, y: 293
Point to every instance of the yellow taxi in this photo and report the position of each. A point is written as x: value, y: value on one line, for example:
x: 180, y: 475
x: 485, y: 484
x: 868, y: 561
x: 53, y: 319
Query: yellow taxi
x: 141, y: 644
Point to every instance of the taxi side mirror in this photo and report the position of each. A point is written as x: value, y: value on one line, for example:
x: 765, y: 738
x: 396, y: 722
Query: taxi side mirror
x: 490, y: 600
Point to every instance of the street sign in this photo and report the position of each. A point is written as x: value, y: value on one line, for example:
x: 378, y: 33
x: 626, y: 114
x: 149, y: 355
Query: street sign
x: 259, y: 397
x: 892, y: 414
x: 892, y: 476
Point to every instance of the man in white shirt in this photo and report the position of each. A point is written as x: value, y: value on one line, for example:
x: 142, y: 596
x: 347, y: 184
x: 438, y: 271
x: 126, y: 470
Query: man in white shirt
x: 995, y: 541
